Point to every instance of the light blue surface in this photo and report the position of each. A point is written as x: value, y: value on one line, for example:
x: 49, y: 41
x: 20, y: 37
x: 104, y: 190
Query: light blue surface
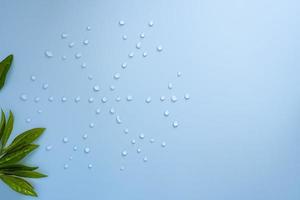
x: 238, y: 135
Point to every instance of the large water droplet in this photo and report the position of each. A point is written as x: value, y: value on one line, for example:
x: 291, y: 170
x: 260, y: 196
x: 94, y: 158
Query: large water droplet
x: 75, y: 148
x: 90, y: 166
x: 145, y: 54
x: 138, y: 45
x: 175, y: 124
x: 130, y: 55
x: 71, y: 44
x: 163, y: 144
x: 33, y: 78
x: 66, y: 166
x: 112, y: 111
x: 138, y: 150
x: 83, y: 65
x: 91, y: 100
x: 78, y: 55
x: 117, y: 76
x: 151, y: 23
x: 118, y: 119
x: 121, y: 22
x: 64, y: 36
x: 124, y: 37
x: 170, y: 86
x: 142, y: 35
x: 159, y: 48
x: 64, y: 99
x: 129, y: 98
x: 141, y: 136
x: 92, y: 125
x: 85, y: 136
x: 124, y: 65
x: 179, y: 74
x: 23, y: 97
x: 166, y: 113
x: 77, y: 99
x: 85, y: 42
x: 173, y: 99
x: 118, y: 99
x: 45, y: 86
x: 51, y: 99
x: 145, y: 159
x: 148, y: 100
x: 187, y: 96
x: 65, y: 140
x: 124, y: 153
x: 48, y: 54
x: 98, y: 110
x: 126, y: 130
x: 104, y: 99
x: 133, y: 141
x: 162, y: 98
x: 88, y: 28
x: 87, y: 150
x: 112, y: 88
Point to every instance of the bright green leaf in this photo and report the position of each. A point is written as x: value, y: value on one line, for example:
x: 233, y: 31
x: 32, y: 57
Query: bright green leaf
x: 8, y: 129
x: 16, y: 167
x: 19, y: 185
x: 2, y: 124
x: 4, y: 68
x: 23, y: 173
x: 18, y: 155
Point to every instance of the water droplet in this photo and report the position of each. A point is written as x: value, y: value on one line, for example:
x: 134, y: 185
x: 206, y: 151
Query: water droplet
x: 152, y: 140
x: 145, y: 54
x: 90, y: 166
x: 91, y: 100
x: 122, y: 168
x: 45, y: 86
x: 51, y: 99
x: 48, y: 54
x: 142, y: 35
x: 187, y: 96
x: 159, y: 48
x: 33, y: 78
x: 78, y: 55
x: 163, y: 144
x: 151, y: 23
x: 39, y: 111
x: 92, y: 125
x: 112, y: 88
x: 85, y: 42
x: 28, y: 120
x: 83, y: 65
x: 49, y: 148
x: 138, y: 150
x: 64, y: 36
x: 166, y: 113
x: 98, y: 110
x: 112, y: 111
x: 87, y: 150
x: 173, y: 99
x: 64, y: 57
x: 141, y: 136
x: 75, y: 148
x: 104, y: 100
x: 65, y: 140
x: 118, y: 99
x: 118, y: 119
x: 130, y: 55
x: 71, y: 158
x: 117, y: 76
x: 179, y: 74
x: 121, y: 23
x: 66, y: 166
x: 88, y: 28
x: 145, y: 159
x: 85, y: 136
x: 148, y: 100
x: 124, y: 37
x: 124, y: 65
x: 175, y: 124
x: 162, y: 98
x: 170, y: 86
x: 138, y: 45
x: 129, y: 98
x: 124, y: 153
x: 126, y: 130
x: 23, y: 97
x: 132, y: 141
x: 64, y: 99
x: 90, y: 77
x: 77, y: 99
x: 71, y: 44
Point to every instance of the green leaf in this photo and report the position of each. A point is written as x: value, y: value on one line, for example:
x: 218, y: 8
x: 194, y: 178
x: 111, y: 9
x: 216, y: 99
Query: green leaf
x: 16, y: 167
x: 18, y: 155
x: 23, y: 173
x: 19, y: 185
x: 2, y: 124
x: 8, y: 129
x: 25, y: 138
x: 4, y: 68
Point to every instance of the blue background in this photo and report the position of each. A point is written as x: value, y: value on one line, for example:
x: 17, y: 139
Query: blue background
x: 238, y: 135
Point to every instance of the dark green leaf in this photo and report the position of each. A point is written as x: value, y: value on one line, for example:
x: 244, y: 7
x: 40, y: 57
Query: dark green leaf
x: 16, y: 167
x: 26, y: 174
x: 18, y: 155
x: 4, y: 68
x: 19, y: 185
x: 2, y: 124
x: 8, y: 129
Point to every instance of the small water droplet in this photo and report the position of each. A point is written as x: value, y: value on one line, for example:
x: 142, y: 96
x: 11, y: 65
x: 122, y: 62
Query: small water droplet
x: 129, y: 98
x: 121, y: 22
x: 162, y: 98
x: 49, y: 148
x: 117, y: 76
x: 130, y: 55
x: 145, y: 54
x: 66, y: 166
x: 151, y: 23
x: 138, y: 150
x: 33, y: 78
x: 118, y: 99
x: 142, y: 35
x: 51, y: 99
x: 39, y: 111
x: 64, y: 99
x: 124, y: 153
x: 85, y: 136
x: 175, y: 124
x: 124, y: 37
x: 145, y: 159
x: 133, y: 141
x: 83, y: 65
x: 64, y: 36
x: 166, y: 113
x: 71, y: 158
x: 138, y: 45
x: 85, y: 42
x: 90, y: 77
x: 126, y: 130
x: 75, y: 148
x: 28, y: 120
x: 23, y: 97
x: 141, y: 136
x: 98, y: 110
x: 163, y: 144
x: 148, y: 100
x: 88, y: 28
x: 187, y: 96
x: 122, y: 168
x: 45, y: 86
x: 112, y: 111
x: 170, y: 86
x: 48, y: 54
x: 159, y: 48
x: 78, y: 55
x: 173, y: 99
x: 118, y: 119
x: 92, y: 125
x: 104, y: 100
x: 91, y: 100
x: 71, y: 44
x: 77, y: 99
x: 179, y: 74
x: 64, y: 57
x: 112, y: 88
x: 87, y: 150
x: 65, y: 140
x: 90, y: 166
x: 124, y: 65
x: 152, y: 140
